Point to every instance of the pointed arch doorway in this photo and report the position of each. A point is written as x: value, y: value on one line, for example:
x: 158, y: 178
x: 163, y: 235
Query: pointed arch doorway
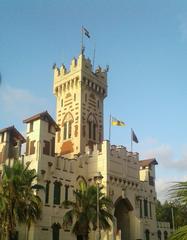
x: 122, y: 209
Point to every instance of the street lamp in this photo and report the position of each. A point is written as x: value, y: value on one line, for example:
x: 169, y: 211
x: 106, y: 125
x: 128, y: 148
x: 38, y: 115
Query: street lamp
x: 98, y: 180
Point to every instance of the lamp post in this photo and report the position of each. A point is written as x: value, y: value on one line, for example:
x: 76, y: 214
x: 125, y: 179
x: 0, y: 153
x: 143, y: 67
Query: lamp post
x: 98, y: 179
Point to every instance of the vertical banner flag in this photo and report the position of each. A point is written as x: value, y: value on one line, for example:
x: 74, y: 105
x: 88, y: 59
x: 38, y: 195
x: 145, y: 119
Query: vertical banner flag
x: 134, y: 137
x: 116, y: 122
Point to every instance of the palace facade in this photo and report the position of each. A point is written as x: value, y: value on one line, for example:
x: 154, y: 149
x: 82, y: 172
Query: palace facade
x: 72, y: 149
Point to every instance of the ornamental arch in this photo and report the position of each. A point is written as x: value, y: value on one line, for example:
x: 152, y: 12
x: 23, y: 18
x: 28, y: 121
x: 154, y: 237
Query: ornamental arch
x: 121, y: 213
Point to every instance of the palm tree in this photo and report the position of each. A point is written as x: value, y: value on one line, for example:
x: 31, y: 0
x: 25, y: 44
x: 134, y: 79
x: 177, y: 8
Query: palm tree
x: 83, y: 212
x: 18, y: 201
x: 30, y: 207
x: 179, y: 193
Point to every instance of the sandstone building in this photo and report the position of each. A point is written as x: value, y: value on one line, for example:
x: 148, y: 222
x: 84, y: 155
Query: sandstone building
x: 72, y: 149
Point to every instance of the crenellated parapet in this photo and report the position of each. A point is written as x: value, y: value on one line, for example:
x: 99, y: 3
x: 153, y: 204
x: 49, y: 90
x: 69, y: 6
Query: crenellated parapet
x: 80, y: 72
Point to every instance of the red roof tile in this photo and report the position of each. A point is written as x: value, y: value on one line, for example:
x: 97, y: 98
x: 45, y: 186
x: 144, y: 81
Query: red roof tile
x: 43, y: 116
x: 147, y: 162
x: 15, y: 133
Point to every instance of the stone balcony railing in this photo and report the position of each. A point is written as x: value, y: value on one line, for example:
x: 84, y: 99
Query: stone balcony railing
x: 163, y: 225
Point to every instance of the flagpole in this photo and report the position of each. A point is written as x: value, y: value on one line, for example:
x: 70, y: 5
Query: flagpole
x: 94, y: 56
x: 82, y: 40
x: 110, y: 126
x: 131, y: 142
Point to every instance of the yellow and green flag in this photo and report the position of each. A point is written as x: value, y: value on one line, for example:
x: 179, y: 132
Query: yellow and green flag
x: 116, y: 122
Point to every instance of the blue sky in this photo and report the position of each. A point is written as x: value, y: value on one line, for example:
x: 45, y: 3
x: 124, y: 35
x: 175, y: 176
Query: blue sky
x: 144, y: 43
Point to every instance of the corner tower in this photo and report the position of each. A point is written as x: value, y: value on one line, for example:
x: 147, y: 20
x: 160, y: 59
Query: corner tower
x: 80, y: 92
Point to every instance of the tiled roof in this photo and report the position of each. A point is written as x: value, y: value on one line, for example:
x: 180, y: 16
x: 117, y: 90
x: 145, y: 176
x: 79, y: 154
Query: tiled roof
x: 43, y: 116
x: 15, y: 133
x: 147, y: 162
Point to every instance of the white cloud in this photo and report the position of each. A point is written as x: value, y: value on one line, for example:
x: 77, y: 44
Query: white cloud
x: 166, y: 156
x: 170, y: 168
x: 162, y: 187
x: 164, y: 184
x: 17, y: 104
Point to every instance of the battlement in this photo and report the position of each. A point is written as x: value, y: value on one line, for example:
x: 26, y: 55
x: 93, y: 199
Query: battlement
x: 115, y: 151
x: 121, y: 152
x: 80, y: 71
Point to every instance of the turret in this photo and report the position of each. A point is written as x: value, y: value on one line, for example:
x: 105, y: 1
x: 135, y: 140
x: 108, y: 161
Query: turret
x: 10, y: 144
x: 40, y: 141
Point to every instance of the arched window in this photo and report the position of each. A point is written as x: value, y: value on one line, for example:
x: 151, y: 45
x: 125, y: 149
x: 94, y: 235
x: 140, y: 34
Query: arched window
x: 56, y: 231
x: 165, y: 235
x: 15, y: 237
x: 90, y: 129
x: 57, y: 192
x: 147, y: 233
x: 159, y: 235
x: 67, y: 124
x: 92, y: 126
x: 94, y: 131
x: 65, y: 130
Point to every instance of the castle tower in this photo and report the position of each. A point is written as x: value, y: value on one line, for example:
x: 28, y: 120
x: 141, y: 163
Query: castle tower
x: 79, y: 109
x: 40, y: 141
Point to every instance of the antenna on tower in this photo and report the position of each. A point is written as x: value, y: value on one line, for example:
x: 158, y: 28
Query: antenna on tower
x: 94, y: 51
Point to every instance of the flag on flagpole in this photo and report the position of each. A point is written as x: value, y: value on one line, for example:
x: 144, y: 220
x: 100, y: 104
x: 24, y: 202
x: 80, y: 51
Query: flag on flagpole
x: 116, y: 122
x: 87, y: 34
x: 134, y: 137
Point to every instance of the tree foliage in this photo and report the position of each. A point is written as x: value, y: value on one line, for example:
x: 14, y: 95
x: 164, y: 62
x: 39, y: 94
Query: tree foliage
x: 18, y: 201
x: 83, y: 211
x: 178, y: 194
x: 163, y: 213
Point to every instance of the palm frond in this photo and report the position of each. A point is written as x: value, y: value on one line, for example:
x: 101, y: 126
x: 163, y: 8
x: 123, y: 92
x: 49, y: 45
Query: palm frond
x: 180, y: 234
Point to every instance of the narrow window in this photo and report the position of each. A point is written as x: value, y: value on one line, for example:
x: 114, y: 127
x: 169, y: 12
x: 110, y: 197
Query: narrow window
x: 47, y: 192
x: 141, y: 215
x: 62, y: 103
x: 150, y: 209
x: 90, y: 129
x: 97, y: 103
x: 85, y: 97
x: 69, y: 129
x: 57, y: 163
x: 65, y: 130
x: 84, y: 131
x: 32, y: 147
x: 57, y: 191
x: 74, y: 96
x: 145, y: 208
x: 46, y: 148
x: 56, y: 231
x: 147, y: 234
x: 165, y: 235
x: 159, y: 235
x: 31, y: 127
x: 94, y: 131
x: 66, y: 192
x: 53, y: 147
x: 49, y: 127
